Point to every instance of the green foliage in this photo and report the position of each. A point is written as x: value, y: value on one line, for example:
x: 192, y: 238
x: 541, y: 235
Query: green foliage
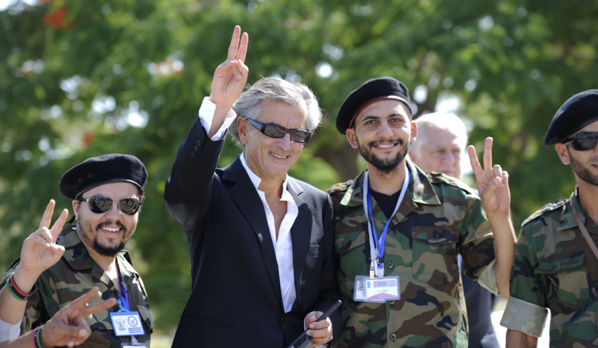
x: 68, y: 85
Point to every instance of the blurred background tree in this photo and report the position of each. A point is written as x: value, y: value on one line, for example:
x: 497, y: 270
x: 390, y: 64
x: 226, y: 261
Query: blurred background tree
x: 84, y: 78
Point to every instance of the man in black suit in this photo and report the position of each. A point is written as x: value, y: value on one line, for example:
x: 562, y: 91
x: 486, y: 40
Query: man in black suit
x: 260, y: 241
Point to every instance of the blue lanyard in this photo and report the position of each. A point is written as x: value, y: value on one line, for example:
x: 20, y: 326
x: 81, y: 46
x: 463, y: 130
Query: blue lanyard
x: 381, y: 242
x: 123, y: 300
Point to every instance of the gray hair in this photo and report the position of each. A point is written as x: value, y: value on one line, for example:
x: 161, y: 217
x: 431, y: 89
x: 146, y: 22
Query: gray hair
x: 440, y: 120
x: 270, y: 88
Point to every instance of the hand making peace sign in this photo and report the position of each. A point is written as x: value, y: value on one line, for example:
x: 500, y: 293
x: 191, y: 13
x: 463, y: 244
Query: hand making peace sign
x: 493, y: 182
x: 230, y: 76
x: 40, y: 250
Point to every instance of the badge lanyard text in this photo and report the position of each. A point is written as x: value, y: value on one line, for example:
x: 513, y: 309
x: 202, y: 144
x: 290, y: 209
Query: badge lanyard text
x: 377, y: 244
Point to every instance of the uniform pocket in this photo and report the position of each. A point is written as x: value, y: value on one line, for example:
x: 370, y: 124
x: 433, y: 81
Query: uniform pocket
x: 434, y: 255
x: 568, y: 279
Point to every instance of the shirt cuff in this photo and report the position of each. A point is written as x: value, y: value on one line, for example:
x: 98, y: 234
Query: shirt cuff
x: 524, y: 316
x: 206, y: 116
x: 9, y: 331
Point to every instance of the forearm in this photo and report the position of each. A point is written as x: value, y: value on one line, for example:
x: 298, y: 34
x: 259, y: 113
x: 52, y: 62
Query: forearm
x: 24, y: 341
x: 504, y: 242
x: 517, y: 339
x: 13, y: 308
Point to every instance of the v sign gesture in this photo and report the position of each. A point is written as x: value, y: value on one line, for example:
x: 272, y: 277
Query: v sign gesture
x: 493, y: 182
x: 493, y: 186
x: 230, y: 78
x: 40, y: 250
x: 38, y: 253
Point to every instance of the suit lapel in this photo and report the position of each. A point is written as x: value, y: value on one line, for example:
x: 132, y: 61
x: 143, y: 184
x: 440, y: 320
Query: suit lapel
x: 250, y: 205
x: 300, y: 233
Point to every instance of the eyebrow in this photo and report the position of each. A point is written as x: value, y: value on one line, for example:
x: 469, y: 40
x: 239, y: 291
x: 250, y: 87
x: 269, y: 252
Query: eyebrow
x: 378, y: 117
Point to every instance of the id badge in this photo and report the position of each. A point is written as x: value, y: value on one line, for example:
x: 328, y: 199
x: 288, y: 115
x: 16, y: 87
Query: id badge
x: 378, y: 289
x: 126, y: 323
x: 133, y: 345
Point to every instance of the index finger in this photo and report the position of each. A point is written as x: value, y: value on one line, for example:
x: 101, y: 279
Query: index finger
x: 233, y: 48
x: 96, y: 307
x: 47, y: 217
x: 81, y: 301
x: 58, y: 225
x: 473, y: 159
x: 488, y: 153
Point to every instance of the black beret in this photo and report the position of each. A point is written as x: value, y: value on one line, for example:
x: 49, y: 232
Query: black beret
x: 576, y: 113
x: 101, y: 170
x: 371, y: 90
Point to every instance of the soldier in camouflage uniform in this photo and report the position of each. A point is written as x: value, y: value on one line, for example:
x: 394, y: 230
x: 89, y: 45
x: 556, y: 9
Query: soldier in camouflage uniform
x: 555, y: 267
x: 107, y: 193
x: 38, y: 253
x: 435, y: 217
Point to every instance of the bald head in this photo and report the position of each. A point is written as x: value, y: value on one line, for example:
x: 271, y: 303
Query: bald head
x: 441, y: 139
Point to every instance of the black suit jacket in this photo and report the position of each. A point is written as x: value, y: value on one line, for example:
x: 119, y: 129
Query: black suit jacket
x: 236, y: 298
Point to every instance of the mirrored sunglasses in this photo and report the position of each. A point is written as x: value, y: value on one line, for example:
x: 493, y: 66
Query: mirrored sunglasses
x: 101, y: 204
x: 584, y: 141
x: 273, y: 130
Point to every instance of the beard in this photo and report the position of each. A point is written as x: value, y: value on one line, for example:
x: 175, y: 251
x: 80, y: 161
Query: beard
x: 582, y: 172
x: 107, y: 251
x: 104, y: 250
x: 383, y: 165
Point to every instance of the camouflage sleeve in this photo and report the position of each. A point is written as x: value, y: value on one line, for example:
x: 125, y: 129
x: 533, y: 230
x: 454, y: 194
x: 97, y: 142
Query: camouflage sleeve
x: 477, y: 246
x: 527, y: 283
x: 524, y: 316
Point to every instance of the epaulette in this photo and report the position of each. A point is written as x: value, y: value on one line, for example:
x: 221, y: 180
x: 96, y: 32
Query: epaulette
x: 548, y: 207
x: 441, y: 178
x: 341, y: 186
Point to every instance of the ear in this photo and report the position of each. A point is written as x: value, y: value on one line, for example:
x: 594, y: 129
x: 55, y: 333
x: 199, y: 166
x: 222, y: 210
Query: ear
x: 563, y: 152
x: 413, y: 132
x: 76, y: 205
x: 242, y: 126
x: 350, y: 132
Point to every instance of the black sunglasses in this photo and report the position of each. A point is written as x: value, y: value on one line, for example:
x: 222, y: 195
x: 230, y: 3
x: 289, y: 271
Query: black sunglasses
x: 101, y: 204
x: 273, y: 130
x: 584, y: 141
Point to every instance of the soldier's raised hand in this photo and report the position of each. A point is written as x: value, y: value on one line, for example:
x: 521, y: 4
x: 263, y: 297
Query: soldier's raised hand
x: 40, y: 250
x: 493, y: 182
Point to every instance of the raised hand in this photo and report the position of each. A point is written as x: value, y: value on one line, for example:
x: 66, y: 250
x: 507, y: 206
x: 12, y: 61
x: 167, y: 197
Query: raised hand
x: 40, y: 250
x: 493, y: 182
x: 230, y: 77
x: 68, y: 326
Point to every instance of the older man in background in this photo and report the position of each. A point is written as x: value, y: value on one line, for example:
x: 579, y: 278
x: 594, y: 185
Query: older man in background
x: 441, y: 140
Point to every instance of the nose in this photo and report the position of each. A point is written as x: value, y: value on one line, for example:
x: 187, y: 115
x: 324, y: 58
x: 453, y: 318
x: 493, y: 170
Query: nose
x: 385, y: 129
x: 285, y: 142
x: 114, y: 212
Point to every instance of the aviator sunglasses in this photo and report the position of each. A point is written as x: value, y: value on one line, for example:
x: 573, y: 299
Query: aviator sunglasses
x: 584, y: 141
x: 273, y: 130
x: 101, y: 204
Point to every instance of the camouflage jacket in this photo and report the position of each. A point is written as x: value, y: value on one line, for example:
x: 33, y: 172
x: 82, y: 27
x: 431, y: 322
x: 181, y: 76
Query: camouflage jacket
x: 438, y: 218
x: 73, y: 275
x: 554, y: 268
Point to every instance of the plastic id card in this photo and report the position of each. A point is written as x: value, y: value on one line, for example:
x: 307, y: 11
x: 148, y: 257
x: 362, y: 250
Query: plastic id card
x: 378, y: 289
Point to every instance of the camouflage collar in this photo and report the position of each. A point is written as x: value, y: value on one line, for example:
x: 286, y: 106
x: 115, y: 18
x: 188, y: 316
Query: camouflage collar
x: 420, y: 189
x: 76, y: 254
x: 567, y: 216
